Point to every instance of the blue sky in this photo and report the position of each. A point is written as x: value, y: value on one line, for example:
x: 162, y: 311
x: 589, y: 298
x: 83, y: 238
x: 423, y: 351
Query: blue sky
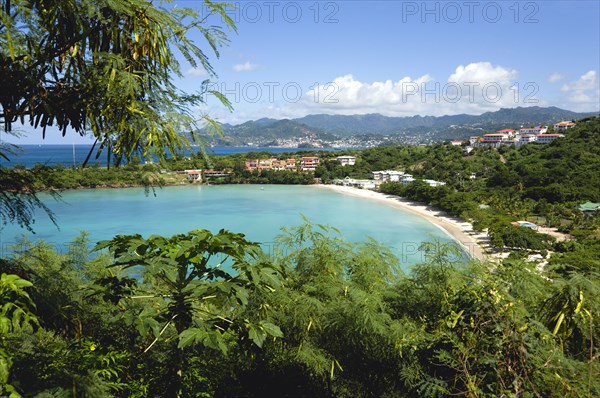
x: 401, y: 58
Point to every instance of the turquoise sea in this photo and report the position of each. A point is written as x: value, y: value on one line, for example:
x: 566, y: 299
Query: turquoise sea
x: 257, y: 211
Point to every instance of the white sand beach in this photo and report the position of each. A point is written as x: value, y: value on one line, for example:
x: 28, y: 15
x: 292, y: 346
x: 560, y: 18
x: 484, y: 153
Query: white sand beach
x: 474, y: 243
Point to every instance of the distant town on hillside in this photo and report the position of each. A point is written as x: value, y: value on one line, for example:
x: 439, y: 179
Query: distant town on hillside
x: 342, y: 131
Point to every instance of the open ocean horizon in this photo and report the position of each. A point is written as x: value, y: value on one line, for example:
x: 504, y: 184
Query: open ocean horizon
x: 74, y: 155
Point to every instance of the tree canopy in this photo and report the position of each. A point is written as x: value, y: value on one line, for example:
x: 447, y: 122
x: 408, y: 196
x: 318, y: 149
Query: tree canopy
x: 106, y: 67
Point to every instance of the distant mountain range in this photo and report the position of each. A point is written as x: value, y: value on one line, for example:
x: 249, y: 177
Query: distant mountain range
x: 327, y: 129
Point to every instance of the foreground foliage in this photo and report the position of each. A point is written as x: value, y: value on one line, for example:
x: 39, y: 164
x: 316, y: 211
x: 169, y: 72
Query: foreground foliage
x: 320, y: 317
x: 107, y: 68
x: 104, y: 68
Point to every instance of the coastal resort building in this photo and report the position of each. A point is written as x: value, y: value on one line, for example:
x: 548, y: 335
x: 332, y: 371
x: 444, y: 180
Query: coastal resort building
x: 265, y: 164
x: 433, y: 183
x: 217, y: 173
x: 346, y: 160
x: 278, y: 165
x: 526, y: 135
x: 509, y: 132
x: 271, y: 164
x: 309, y: 163
x: 388, y: 175
x: 474, y: 140
x: 564, y: 125
x: 526, y: 139
x: 534, y: 130
x: 252, y: 164
x: 547, y: 138
x: 407, y: 179
x: 193, y: 175
x: 351, y: 182
x: 290, y: 164
x: 494, y: 139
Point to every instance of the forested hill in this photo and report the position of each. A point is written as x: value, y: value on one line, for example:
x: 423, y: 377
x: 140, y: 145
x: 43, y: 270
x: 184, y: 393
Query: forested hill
x: 379, y: 124
x: 492, y: 188
x: 566, y: 170
x: 428, y: 128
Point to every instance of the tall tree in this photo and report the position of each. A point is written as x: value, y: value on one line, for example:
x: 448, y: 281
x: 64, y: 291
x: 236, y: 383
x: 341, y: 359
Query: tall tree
x: 106, y: 67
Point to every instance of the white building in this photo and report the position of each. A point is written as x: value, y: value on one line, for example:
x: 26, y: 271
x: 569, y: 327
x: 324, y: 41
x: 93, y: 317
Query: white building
x: 387, y: 175
x: 309, y: 163
x: 494, y: 140
x: 351, y: 182
x: 193, y: 175
x: 533, y: 130
x: 527, y: 139
x: 407, y: 179
x: 509, y: 132
x: 433, y: 183
x: 346, y: 160
x: 547, y: 138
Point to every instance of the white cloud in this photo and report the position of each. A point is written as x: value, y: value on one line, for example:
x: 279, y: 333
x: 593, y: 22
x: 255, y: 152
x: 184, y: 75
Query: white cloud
x: 245, y: 67
x: 483, y: 73
x: 555, y: 77
x: 587, y: 81
x: 584, y: 93
x: 473, y: 88
x: 196, y: 72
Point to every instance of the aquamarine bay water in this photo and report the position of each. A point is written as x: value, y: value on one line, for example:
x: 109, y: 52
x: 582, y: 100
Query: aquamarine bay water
x: 256, y: 211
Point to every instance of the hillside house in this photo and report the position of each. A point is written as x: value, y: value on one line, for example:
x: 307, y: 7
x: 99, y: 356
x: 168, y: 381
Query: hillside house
x: 547, y: 138
x: 433, y: 183
x: 474, y: 140
x: 252, y: 164
x: 564, y: 125
x: 533, y: 130
x: 346, y: 160
x: 509, y: 132
x: 494, y: 139
x: 309, y: 163
x: 527, y: 139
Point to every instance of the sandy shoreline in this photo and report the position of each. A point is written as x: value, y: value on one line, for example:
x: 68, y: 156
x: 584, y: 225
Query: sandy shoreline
x: 460, y: 230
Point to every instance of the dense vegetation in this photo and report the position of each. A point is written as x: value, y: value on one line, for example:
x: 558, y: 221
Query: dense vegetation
x: 492, y: 188
x: 210, y: 314
x: 108, y: 68
x: 203, y: 314
x: 320, y: 317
